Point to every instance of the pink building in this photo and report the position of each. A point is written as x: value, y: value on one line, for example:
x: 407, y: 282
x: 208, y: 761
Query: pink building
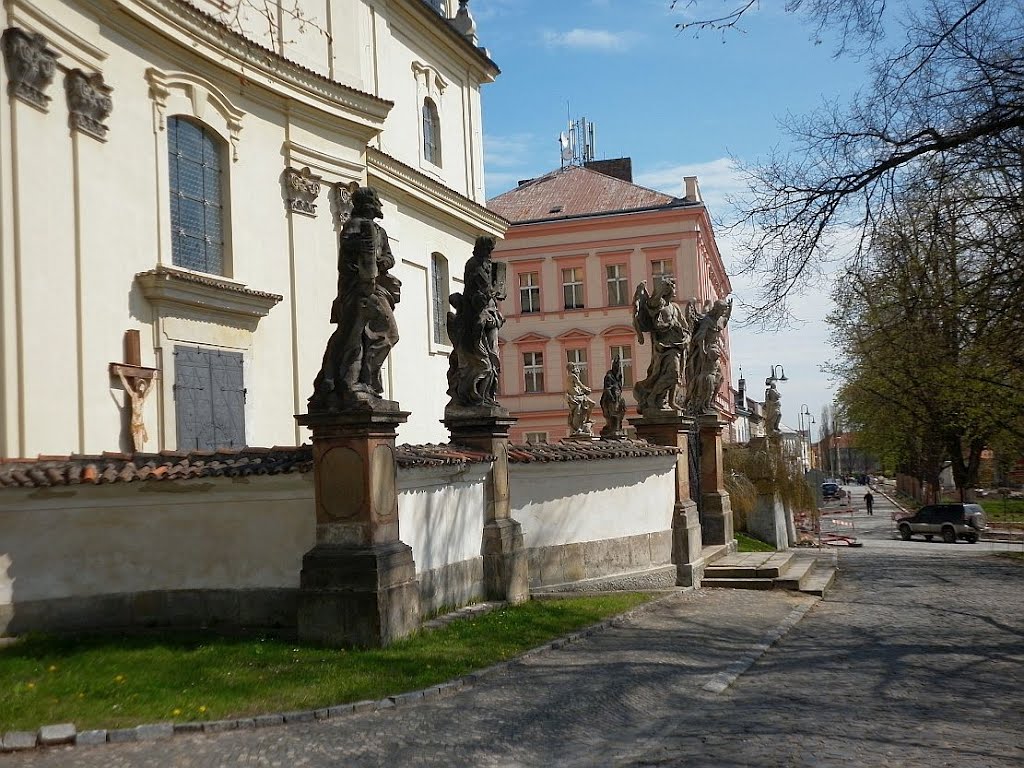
x: 581, y: 239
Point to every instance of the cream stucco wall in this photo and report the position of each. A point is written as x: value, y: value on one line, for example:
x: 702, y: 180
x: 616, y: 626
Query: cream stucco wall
x: 578, y: 502
x: 80, y: 216
x: 88, y: 543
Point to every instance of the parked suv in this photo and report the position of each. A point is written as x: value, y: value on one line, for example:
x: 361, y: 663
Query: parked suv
x: 951, y: 521
x: 830, y: 489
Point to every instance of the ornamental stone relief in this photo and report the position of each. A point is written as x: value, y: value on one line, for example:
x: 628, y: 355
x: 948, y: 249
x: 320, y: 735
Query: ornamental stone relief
x: 30, y: 65
x: 89, y: 102
x: 302, y: 188
x: 341, y: 202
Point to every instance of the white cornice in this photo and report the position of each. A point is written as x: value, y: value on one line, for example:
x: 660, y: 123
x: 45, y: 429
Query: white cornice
x: 382, y: 168
x: 168, y: 288
x: 204, y: 35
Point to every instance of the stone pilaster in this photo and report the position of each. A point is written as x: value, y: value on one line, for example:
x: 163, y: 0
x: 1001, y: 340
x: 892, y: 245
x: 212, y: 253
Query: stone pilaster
x: 716, y: 509
x: 687, y: 543
x: 358, y: 584
x: 506, y: 569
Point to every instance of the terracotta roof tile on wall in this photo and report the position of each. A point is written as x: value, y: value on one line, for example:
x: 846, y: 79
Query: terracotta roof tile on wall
x: 575, y: 191
x: 586, y: 451
x: 49, y: 471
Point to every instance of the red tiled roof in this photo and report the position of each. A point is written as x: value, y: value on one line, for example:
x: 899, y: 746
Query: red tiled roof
x: 47, y: 471
x: 575, y: 191
x: 582, y: 450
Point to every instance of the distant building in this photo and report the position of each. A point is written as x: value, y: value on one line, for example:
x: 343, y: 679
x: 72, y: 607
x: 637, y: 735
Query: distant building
x: 581, y: 239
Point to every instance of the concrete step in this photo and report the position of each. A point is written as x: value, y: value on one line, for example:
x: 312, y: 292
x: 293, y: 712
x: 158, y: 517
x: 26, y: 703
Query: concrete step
x: 818, y: 581
x: 714, y: 552
x: 798, y: 569
x: 749, y: 565
x: 725, y: 583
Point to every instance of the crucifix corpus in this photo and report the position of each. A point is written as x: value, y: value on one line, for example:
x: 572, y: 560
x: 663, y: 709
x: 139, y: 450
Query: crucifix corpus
x: 137, y: 381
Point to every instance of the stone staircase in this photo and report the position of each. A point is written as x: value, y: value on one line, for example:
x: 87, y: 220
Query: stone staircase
x: 811, y: 572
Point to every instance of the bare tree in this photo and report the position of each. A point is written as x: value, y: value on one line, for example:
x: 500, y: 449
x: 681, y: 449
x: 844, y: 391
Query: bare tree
x: 953, y: 90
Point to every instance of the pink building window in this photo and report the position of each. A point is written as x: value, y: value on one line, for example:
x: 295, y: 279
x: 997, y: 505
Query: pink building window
x: 618, y: 285
x: 572, y: 287
x: 661, y: 268
x: 533, y: 371
x: 529, y: 292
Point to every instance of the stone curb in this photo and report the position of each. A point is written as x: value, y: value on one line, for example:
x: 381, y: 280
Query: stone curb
x: 722, y: 680
x: 23, y: 740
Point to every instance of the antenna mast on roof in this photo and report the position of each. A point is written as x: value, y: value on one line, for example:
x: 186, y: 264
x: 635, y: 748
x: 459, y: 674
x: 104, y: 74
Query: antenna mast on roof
x: 578, y: 144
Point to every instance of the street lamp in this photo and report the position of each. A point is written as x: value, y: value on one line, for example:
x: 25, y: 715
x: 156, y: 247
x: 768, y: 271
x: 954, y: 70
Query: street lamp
x: 806, y: 412
x: 776, y: 376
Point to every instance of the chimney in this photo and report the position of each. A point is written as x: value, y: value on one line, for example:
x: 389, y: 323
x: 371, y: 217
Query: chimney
x: 692, y: 189
x: 618, y: 168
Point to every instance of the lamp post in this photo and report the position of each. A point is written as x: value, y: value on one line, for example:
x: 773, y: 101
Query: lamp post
x: 780, y: 376
x: 806, y: 419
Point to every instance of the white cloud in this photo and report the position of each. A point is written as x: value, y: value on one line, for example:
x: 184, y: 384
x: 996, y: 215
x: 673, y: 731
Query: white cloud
x: 588, y: 39
x: 508, y: 151
x: 718, y: 179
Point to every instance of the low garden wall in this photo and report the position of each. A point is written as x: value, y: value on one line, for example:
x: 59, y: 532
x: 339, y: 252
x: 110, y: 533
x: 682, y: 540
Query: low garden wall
x: 219, y: 540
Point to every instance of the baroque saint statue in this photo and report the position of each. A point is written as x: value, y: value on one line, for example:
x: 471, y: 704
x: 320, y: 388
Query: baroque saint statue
x: 473, y: 365
x: 580, y: 405
x: 669, y: 328
x: 613, y: 404
x: 363, y: 311
x: 707, y: 348
x: 772, y: 408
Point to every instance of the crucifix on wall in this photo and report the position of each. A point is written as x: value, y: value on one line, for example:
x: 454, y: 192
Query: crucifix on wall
x: 137, y: 381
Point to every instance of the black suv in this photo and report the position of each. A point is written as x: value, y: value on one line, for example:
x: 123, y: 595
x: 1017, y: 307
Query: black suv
x: 951, y: 521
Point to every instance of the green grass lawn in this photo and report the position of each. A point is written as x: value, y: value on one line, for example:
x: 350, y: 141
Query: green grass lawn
x: 1003, y: 510
x: 746, y: 543
x: 104, y: 681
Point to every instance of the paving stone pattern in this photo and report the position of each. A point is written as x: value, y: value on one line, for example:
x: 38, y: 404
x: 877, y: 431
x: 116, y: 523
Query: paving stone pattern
x: 912, y: 660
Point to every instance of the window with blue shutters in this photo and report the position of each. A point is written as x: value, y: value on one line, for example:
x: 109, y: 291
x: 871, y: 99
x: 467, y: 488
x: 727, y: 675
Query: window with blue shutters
x: 195, y: 155
x: 209, y: 399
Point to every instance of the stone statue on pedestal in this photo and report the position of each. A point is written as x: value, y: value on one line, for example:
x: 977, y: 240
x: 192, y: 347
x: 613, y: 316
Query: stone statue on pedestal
x: 772, y: 408
x: 474, y: 365
x: 707, y: 347
x: 363, y: 312
x: 580, y: 405
x: 613, y: 404
x: 669, y: 329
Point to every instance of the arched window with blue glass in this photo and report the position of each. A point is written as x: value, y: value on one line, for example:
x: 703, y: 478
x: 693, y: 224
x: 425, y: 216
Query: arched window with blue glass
x: 196, y: 161
x: 431, y: 133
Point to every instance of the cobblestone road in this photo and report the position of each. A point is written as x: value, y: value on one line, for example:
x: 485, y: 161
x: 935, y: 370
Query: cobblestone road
x: 912, y: 660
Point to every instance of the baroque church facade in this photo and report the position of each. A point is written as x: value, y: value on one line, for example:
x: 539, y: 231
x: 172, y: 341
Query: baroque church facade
x: 174, y: 176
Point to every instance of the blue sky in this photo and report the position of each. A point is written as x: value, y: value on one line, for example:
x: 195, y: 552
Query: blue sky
x: 678, y: 105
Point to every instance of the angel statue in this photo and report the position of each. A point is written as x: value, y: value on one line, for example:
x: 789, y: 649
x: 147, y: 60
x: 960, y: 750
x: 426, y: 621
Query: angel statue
x: 707, y: 347
x: 580, y: 405
x: 669, y: 327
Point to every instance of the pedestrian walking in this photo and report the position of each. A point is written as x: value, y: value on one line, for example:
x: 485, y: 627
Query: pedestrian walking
x: 869, y: 502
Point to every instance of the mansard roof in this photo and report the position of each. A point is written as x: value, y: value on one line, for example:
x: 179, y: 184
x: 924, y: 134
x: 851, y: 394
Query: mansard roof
x: 577, y: 191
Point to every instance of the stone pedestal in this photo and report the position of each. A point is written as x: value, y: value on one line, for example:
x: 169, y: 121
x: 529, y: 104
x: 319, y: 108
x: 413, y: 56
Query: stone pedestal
x: 770, y: 521
x: 506, y: 569
x: 687, y: 544
x: 358, y: 584
x: 716, y: 509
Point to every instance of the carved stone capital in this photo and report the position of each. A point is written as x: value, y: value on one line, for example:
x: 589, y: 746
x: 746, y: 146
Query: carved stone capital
x: 89, y: 102
x: 341, y: 201
x: 302, y: 188
x: 30, y: 63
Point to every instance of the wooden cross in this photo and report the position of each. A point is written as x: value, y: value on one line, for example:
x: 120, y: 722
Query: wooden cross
x: 137, y: 381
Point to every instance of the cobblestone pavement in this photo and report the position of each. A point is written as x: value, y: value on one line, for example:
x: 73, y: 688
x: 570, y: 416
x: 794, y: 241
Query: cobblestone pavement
x: 912, y: 660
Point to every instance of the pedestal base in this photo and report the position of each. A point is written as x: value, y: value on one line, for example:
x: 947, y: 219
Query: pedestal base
x: 716, y: 518
x: 506, y: 567
x: 363, y: 596
x: 687, y: 544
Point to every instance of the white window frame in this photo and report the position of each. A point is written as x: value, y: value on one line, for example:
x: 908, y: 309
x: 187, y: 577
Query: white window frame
x: 533, y: 371
x: 572, y: 283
